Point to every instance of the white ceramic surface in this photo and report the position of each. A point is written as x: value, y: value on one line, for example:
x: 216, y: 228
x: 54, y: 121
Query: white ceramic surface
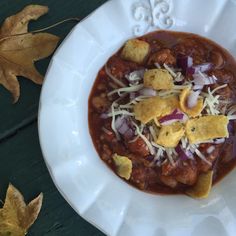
x: 82, y: 178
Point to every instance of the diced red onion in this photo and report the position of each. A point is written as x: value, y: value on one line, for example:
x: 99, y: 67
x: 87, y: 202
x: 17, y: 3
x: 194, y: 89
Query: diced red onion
x: 123, y: 126
x: 129, y: 134
x: 183, y: 155
x: 176, y: 111
x: 171, y: 118
x: 192, y: 98
x: 119, y: 121
x: 233, y: 138
x: 219, y: 140
x: 231, y: 141
x: 148, y: 92
x: 202, y: 68
x: 185, y: 118
x: 132, y: 95
x: 210, y: 149
x: 157, y: 65
x: 184, y: 62
x: 149, y: 158
x: 135, y: 76
x: 104, y: 116
x: 203, y: 79
x: 230, y: 128
x: 197, y: 87
x: 112, y: 77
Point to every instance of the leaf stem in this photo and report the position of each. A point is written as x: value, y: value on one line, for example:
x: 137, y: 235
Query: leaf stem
x: 56, y: 24
x: 1, y: 202
x: 43, y: 29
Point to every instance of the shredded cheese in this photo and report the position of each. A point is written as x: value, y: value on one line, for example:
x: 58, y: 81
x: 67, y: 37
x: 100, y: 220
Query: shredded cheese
x: 184, y: 142
x: 157, y: 65
x: 169, y: 153
x: 134, y: 101
x: 149, y: 145
x: 136, y: 75
x: 202, y: 156
x: 169, y: 93
x: 233, y: 117
x: 153, y: 133
x: 160, y: 153
x: 232, y: 110
x: 113, y: 122
x: 181, y: 87
x: 219, y: 87
x: 231, y: 113
x: 112, y: 77
x: 158, y: 146
x: 134, y: 88
x: 119, y: 112
x: 170, y: 70
x: 211, y: 102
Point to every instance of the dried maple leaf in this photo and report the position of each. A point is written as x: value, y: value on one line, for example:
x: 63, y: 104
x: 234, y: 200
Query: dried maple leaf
x: 16, y: 217
x: 20, y: 49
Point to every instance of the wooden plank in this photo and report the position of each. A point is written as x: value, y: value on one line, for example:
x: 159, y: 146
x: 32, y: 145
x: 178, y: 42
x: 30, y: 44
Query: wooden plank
x: 21, y: 159
x: 22, y: 164
x: 16, y: 116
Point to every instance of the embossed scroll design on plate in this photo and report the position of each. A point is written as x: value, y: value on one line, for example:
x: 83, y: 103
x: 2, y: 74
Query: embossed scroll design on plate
x: 152, y: 14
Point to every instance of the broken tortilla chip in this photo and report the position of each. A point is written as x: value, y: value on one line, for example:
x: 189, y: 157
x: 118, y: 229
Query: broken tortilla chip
x: 170, y: 135
x: 203, y: 186
x: 158, y: 79
x: 206, y: 128
x: 155, y: 107
x: 123, y: 166
x: 192, y: 112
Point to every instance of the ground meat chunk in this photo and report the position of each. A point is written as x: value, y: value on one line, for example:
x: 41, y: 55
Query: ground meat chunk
x: 138, y: 176
x: 100, y: 103
x: 182, y: 172
x: 161, y: 57
x: 107, y: 153
x: 169, y: 181
x: 203, y: 166
x: 139, y: 147
x: 187, y: 174
x: 228, y: 151
x: 223, y: 76
x: 217, y: 59
x: 143, y: 176
x: 226, y: 94
x: 193, y: 48
x: 119, y: 68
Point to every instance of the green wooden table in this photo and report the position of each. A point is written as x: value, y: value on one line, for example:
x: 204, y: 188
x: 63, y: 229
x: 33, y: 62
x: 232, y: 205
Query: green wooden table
x: 21, y: 160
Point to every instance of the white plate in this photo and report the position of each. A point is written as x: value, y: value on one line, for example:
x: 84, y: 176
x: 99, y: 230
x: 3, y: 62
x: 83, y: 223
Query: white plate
x: 82, y: 178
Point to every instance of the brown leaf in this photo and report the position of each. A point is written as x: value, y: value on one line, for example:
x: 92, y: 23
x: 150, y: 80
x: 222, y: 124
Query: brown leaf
x: 16, y: 217
x: 19, y: 49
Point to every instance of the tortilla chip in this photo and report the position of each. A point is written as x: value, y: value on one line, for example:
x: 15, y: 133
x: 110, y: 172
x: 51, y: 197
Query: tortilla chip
x: 170, y: 135
x: 158, y: 79
x: 203, y: 186
x: 123, y: 166
x: 206, y: 127
x: 155, y: 107
x: 135, y: 50
x: 192, y: 112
